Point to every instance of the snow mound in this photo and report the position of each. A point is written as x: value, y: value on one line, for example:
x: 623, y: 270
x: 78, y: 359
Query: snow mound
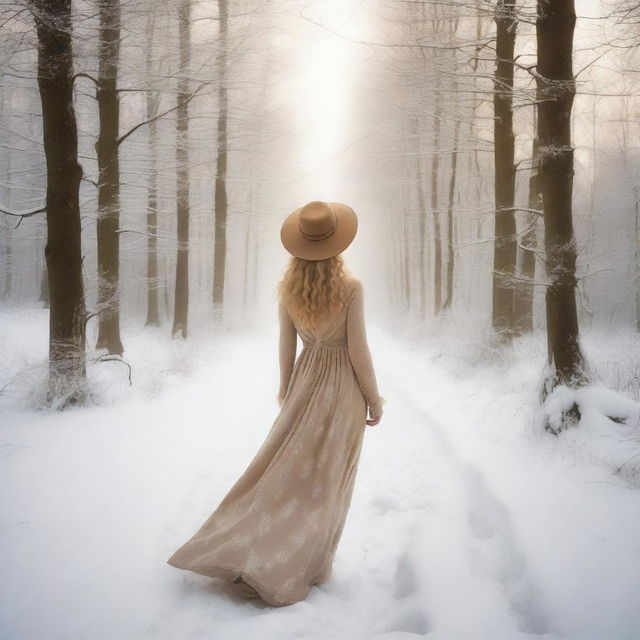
x: 608, y: 428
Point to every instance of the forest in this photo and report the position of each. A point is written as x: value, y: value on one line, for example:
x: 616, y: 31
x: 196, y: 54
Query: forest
x: 150, y: 151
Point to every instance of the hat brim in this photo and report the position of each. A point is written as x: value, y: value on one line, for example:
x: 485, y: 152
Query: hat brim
x: 296, y: 244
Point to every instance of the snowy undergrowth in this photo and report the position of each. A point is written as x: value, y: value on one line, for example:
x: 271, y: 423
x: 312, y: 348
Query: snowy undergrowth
x: 470, y: 352
x: 467, y: 521
x: 152, y: 364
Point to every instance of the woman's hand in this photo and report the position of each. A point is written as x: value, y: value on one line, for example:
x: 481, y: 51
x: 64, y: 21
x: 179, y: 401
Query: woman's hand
x: 375, y: 411
x: 374, y: 421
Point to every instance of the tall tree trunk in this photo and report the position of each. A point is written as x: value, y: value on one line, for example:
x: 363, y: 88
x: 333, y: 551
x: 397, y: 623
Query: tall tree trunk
x: 524, y: 289
x: 109, y: 181
x: 405, y: 266
x: 505, y: 245
x: 221, y: 205
x: 636, y: 205
x: 450, y: 227
x: 41, y: 273
x: 422, y: 233
x: 153, y: 314
x: 435, y: 168
x: 556, y: 89
x: 67, y: 317
x: 8, y: 239
x: 181, y: 310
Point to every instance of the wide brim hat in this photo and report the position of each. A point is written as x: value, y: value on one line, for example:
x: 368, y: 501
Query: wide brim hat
x: 319, y: 230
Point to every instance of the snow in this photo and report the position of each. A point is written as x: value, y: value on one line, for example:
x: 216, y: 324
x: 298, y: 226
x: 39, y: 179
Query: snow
x: 468, y: 520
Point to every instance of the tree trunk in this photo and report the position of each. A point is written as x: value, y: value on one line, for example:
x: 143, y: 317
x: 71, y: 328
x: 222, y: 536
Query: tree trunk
x: 524, y: 289
x: 109, y: 181
x: 220, y: 203
x: 450, y: 228
x: 181, y: 309
x: 422, y: 234
x: 505, y: 244
x: 41, y: 272
x: 67, y: 318
x: 437, y: 239
x: 636, y: 205
x: 405, y: 267
x: 153, y: 314
x: 556, y: 89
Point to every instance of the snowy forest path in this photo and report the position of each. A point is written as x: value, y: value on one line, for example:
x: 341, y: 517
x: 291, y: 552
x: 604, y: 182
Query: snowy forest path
x: 466, y: 523
x: 465, y: 554
x: 425, y: 539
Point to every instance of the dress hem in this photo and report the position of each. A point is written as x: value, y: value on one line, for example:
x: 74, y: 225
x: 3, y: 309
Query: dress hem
x: 231, y: 573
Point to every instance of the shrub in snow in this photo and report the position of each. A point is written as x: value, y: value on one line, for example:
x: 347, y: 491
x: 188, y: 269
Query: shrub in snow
x: 608, y: 425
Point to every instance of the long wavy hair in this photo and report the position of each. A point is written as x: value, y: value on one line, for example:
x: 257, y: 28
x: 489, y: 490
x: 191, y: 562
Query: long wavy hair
x: 314, y: 290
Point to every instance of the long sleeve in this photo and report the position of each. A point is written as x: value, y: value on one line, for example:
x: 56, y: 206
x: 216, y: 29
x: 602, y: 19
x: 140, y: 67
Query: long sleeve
x: 288, y: 347
x: 360, y: 354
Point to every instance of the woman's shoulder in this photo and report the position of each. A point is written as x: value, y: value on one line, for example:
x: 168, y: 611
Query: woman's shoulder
x: 354, y: 287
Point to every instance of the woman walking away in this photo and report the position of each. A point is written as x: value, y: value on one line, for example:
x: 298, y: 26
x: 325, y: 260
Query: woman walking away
x: 276, y: 531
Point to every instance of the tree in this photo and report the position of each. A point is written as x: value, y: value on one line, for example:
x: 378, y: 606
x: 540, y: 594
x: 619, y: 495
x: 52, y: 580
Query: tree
x: 152, y: 99
x: 181, y: 308
x: 109, y: 180
x: 505, y: 247
x: 523, y: 303
x: 67, y: 320
x: 220, y: 198
x: 555, y: 92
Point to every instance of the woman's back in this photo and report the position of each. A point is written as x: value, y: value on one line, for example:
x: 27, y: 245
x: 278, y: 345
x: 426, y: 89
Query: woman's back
x: 345, y: 330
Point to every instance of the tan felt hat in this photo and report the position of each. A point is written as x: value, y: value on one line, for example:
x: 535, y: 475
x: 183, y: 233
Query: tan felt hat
x: 319, y: 230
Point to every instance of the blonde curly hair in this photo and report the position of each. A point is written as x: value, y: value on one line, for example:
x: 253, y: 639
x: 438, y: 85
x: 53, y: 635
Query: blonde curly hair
x: 313, y: 290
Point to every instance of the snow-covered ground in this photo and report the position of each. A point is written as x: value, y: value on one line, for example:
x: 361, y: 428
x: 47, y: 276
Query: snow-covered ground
x: 468, y: 522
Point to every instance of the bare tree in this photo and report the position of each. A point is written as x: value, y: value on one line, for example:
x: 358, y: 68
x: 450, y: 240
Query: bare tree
x: 221, y: 203
x: 505, y: 247
x: 108, y: 236
x: 181, y: 308
x: 67, y: 320
x: 523, y: 303
x: 450, y: 210
x: 555, y: 92
x: 152, y: 100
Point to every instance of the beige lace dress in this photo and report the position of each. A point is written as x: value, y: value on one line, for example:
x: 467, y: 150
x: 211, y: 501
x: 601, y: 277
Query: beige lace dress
x: 279, y: 525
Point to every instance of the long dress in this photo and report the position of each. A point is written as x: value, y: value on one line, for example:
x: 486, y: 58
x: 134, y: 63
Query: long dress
x: 279, y: 525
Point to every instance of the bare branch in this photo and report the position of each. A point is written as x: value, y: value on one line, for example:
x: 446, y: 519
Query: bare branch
x: 114, y: 358
x: 26, y: 214
x: 82, y: 74
x: 124, y: 136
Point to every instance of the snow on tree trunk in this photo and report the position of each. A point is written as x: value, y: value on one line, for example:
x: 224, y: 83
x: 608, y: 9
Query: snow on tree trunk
x: 67, y: 319
x: 555, y: 93
x: 107, y: 231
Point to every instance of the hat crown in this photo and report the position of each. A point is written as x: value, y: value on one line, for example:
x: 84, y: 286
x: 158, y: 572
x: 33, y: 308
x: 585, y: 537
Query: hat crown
x: 317, y: 220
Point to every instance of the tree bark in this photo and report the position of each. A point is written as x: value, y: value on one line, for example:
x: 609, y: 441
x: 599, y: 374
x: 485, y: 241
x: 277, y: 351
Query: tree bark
x: 7, y: 291
x: 505, y: 244
x: 423, y: 214
x: 67, y: 318
x: 636, y: 205
x: 109, y: 180
x: 555, y: 93
x: 153, y: 314
x: 437, y: 236
x: 220, y: 198
x: 450, y: 226
x: 181, y: 307
x: 524, y: 289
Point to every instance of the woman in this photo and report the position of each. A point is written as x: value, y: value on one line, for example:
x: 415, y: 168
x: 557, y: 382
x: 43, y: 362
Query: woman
x: 276, y: 531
